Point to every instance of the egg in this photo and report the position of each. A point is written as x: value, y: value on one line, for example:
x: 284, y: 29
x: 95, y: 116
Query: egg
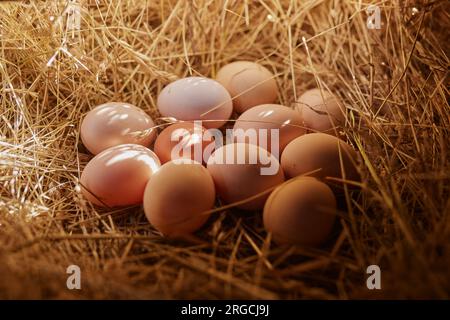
x: 258, y: 122
x: 321, y: 110
x: 249, y: 83
x: 177, y: 197
x: 181, y: 140
x: 117, y: 176
x: 116, y: 123
x: 196, y: 98
x: 321, y: 153
x: 301, y: 211
x: 241, y: 171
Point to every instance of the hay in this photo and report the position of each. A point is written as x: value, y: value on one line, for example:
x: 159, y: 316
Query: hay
x: 394, y: 81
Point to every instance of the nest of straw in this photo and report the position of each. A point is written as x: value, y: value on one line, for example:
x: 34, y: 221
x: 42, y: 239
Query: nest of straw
x: 393, y: 81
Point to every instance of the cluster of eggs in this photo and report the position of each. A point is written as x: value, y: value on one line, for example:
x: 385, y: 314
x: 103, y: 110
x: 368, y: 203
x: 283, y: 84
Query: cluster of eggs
x: 179, y: 193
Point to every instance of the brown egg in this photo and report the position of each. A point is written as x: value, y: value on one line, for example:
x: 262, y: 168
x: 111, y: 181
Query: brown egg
x: 196, y: 98
x: 117, y: 176
x: 256, y: 124
x: 241, y: 170
x: 249, y: 84
x: 115, y: 123
x: 177, y: 196
x: 301, y: 211
x: 184, y: 140
x: 322, y: 152
x: 321, y: 110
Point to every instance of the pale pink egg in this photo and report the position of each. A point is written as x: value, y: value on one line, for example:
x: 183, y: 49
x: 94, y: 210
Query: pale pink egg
x: 321, y: 110
x: 117, y: 176
x: 196, y: 98
x: 269, y: 126
x: 115, y: 123
x: 181, y: 140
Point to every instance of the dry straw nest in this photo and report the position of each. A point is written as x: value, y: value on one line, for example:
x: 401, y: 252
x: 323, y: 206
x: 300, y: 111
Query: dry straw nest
x: 393, y: 80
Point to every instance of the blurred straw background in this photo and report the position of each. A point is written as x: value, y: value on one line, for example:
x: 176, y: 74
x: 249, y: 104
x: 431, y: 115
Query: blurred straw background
x: 394, y: 81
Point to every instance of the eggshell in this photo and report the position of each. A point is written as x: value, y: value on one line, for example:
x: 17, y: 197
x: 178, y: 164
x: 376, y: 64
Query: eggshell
x: 117, y: 176
x: 301, y: 211
x: 287, y: 121
x: 322, y: 152
x: 237, y: 173
x: 249, y: 83
x: 177, y: 196
x: 115, y: 123
x: 321, y: 110
x: 187, y: 142
x: 196, y: 98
